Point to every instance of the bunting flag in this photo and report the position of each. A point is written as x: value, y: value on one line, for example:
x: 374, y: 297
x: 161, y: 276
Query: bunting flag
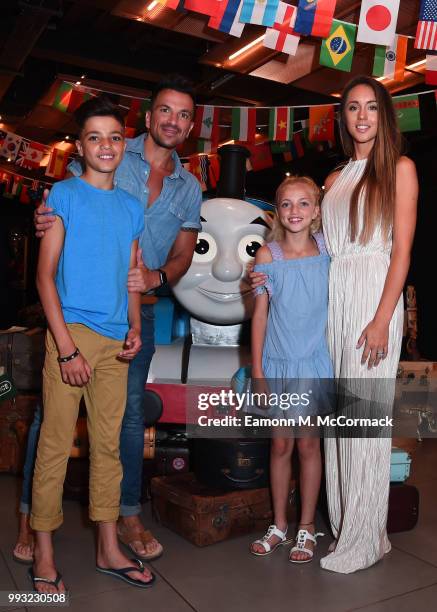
x: 172, y: 4
x: 426, y: 33
x: 204, y: 146
x: 337, y: 51
x: 57, y: 164
x: 62, y: 97
x: 408, y: 113
x: 30, y: 155
x: 431, y: 70
x: 197, y: 169
x: 281, y: 123
x: 213, y: 170
x: 227, y: 18
x: 11, y: 145
x: 389, y: 62
x: 136, y: 115
x: 314, y: 17
x: 260, y: 157
x: 321, y: 123
x: 261, y: 12
x: 243, y: 124
x: 206, y: 123
x: 282, y: 36
x: 290, y: 149
x: 76, y: 99
x: 206, y: 7
x: 377, y: 24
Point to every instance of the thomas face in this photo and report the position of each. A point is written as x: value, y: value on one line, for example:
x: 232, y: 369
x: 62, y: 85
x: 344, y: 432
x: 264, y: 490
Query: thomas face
x: 213, y: 289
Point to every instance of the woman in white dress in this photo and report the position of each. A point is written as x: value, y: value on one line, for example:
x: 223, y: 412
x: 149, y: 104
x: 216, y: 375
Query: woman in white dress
x: 369, y: 216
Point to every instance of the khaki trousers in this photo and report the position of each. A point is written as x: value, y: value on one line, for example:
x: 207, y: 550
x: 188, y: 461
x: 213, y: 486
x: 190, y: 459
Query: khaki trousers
x: 105, y: 398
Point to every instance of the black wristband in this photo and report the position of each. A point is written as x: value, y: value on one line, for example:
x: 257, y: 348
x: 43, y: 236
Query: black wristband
x: 162, y: 277
x: 69, y: 357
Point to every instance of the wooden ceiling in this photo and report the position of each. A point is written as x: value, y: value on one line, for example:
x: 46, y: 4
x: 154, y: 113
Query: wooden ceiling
x: 122, y: 47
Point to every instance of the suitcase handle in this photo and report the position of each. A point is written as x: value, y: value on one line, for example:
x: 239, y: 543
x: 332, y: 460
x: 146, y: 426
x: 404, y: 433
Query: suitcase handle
x: 240, y: 480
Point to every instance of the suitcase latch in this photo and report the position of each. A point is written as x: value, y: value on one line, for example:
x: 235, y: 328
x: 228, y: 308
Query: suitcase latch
x: 221, y: 519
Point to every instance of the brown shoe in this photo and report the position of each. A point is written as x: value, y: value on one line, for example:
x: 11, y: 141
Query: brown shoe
x: 129, y: 536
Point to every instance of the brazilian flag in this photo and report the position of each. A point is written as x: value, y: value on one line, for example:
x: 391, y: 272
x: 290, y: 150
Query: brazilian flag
x: 337, y: 50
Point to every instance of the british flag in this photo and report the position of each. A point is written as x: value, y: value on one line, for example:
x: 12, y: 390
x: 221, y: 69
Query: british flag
x: 30, y: 155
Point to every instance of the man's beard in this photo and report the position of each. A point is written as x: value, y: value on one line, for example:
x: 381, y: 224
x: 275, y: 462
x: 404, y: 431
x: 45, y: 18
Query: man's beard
x: 162, y: 144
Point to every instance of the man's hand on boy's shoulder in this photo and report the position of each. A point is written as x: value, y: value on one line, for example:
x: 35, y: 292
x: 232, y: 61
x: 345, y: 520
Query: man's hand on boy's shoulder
x: 132, y: 344
x: 41, y: 217
x: 76, y: 372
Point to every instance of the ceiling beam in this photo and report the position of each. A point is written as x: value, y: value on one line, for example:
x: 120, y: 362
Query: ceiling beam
x: 28, y: 28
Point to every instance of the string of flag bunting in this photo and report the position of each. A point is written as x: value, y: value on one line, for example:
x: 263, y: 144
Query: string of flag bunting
x: 285, y: 134
x: 286, y: 24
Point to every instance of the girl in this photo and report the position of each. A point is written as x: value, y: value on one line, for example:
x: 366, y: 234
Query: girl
x: 288, y: 343
x: 369, y: 216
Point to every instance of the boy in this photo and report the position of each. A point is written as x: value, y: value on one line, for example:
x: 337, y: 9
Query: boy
x: 82, y: 281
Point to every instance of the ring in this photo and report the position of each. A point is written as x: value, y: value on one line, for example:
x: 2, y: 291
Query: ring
x: 379, y: 353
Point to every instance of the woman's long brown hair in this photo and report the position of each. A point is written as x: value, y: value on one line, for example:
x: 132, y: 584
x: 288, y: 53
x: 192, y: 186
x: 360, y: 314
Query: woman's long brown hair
x: 378, y: 183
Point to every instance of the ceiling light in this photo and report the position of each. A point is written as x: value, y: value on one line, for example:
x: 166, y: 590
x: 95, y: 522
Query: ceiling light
x: 152, y: 5
x: 288, y: 174
x: 246, y: 48
x: 78, y: 83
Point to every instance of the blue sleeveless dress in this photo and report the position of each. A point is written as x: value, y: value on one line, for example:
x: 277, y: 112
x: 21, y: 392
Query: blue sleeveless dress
x: 295, y: 345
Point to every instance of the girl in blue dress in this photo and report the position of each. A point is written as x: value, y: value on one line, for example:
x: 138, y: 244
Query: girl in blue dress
x: 288, y: 345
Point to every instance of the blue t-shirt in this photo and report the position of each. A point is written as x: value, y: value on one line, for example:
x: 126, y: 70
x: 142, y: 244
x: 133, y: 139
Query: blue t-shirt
x: 100, y: 226
x: 177, y: 206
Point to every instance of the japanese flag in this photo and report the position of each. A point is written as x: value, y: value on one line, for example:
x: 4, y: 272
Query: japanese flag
x: 377, y: 23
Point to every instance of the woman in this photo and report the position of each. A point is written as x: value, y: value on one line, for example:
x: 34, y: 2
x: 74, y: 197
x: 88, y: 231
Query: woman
x: 369, y: 217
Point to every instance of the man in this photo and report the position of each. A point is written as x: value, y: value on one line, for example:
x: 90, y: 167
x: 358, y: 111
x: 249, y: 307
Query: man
x: 152, y: 172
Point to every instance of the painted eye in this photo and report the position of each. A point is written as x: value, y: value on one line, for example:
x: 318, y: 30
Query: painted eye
x: 205, y: 249
x: 248, y: 246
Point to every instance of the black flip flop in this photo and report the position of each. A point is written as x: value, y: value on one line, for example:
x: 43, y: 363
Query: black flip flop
x: 123, y: 571
x: 36, y: 579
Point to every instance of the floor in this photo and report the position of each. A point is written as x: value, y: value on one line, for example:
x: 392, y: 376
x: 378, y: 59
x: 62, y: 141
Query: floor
x: 224, y: 577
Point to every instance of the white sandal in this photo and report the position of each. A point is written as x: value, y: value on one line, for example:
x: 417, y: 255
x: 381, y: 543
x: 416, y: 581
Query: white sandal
x: 271, y: 531
x: 302, y: 536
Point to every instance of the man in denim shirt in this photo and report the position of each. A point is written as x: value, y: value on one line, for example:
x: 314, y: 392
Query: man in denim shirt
x: 152, y: 172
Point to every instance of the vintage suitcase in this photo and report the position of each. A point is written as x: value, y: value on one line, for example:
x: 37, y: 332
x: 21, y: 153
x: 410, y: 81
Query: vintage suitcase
x: 171, y: 456
x: 233, y: 463
x: 204, y: 515
x: 400, y: 464
x: 22, y: 354
x: 403, y: 508
x: 16, y: 416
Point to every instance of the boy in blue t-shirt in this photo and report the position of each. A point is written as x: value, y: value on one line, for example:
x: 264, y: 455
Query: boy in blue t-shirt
x: 82, y: 281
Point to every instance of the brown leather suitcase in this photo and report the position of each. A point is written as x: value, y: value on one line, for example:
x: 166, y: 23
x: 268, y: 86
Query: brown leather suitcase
x: 204, y: 515
x: 403, y: 508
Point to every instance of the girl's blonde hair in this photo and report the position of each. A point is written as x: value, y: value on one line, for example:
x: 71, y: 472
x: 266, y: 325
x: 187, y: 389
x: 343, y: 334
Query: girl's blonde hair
x: 277, y: 232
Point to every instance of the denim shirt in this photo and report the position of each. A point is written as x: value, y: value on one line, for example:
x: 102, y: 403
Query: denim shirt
x: 177, y: 206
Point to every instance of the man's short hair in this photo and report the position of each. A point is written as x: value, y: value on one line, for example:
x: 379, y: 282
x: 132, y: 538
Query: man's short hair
x: 176, y: 82
x: 100, y: 106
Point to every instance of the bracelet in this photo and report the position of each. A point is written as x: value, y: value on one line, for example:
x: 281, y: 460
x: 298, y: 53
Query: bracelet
x: 69, y: 357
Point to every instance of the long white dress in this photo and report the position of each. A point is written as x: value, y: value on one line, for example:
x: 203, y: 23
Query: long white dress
x: 357, y: 469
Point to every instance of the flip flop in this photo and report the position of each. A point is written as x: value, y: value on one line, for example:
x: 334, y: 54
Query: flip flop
x: 36, y: 579
x: 123, y: 571
x: 127, y: 536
